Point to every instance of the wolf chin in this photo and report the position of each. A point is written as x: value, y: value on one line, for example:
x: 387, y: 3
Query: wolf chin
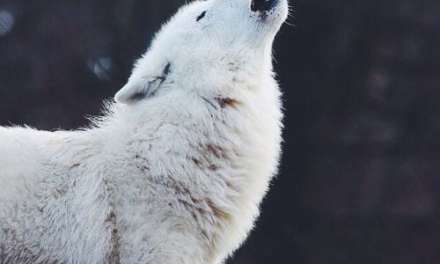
x: 175, y: 169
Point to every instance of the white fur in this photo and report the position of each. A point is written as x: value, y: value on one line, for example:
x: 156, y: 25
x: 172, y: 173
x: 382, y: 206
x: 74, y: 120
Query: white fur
x: 174, y: 177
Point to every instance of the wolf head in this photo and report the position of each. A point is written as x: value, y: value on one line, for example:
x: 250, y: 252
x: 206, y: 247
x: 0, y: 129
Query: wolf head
x: 201, y: 40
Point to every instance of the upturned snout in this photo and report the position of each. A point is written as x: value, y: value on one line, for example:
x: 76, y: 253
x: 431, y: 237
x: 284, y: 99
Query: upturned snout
x: 263, y: 5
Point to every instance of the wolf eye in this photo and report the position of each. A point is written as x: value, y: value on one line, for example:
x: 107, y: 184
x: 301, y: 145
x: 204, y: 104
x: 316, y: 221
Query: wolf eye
x: 202, y: 15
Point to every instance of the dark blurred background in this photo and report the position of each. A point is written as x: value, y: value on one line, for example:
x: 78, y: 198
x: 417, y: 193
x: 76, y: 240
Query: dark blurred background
x: 359, y: 181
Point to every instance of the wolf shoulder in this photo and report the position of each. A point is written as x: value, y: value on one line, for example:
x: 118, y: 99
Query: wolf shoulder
x: 20, y: 154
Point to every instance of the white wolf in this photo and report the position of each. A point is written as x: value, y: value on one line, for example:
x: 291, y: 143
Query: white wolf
x: 175, y: 170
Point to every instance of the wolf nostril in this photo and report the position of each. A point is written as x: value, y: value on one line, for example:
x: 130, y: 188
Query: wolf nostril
x: 263, y: 5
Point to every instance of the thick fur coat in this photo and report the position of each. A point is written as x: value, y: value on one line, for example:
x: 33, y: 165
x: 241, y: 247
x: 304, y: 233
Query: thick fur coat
x: 176, y: 168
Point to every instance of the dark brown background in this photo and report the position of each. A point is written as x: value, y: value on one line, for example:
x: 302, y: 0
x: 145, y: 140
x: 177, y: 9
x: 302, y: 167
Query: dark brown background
x: 359, y: 181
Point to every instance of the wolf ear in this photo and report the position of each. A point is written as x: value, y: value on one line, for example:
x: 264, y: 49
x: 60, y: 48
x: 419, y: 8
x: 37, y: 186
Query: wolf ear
x: 134, y: 91
x: 140, y: 88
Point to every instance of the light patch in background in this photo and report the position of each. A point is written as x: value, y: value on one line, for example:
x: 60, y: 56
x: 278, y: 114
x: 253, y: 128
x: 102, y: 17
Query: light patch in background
x: 7, y: 22
x: 101, y: 67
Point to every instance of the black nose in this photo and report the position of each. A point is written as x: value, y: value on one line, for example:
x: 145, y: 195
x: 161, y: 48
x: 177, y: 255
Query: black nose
x: 263, y: 5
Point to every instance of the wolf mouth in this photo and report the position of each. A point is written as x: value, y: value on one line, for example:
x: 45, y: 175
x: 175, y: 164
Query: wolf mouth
x: 263, y: 5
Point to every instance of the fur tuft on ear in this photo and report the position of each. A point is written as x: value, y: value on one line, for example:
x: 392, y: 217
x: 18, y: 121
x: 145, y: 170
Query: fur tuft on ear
x: 132, y: 92
x: 137, y: 89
